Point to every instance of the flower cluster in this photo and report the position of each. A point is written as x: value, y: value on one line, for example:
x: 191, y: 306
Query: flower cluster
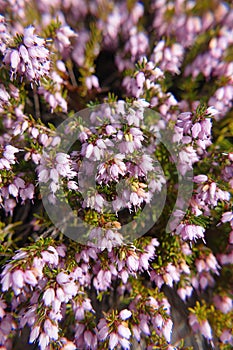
x: 30, y: 58
x: 116, y: 174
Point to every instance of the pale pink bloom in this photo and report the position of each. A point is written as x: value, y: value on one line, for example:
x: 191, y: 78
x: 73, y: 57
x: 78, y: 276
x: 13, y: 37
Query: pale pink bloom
x: 18, y: 278
x: 203, y: 281
x: 89, y: 150
x: 140, y: 79
x: 61, y: 250
x: 168, y: 279
x: 15, y: 59
x: 43, y: 175
x: 50, y: 329
x: 38, y: 265
x: 103, y: 332
x: 212, y: 263
x: 13, y: 190
x: 227, y: 216
x: 144, y: 327
x: 125, y: 314
x: 144, y: 262
x: 124, y: 276
x: 72, y: 185
x: 158, y: 321
x: 193, y: 321
x: 30, y: 278
x: 62, y: 39
x: 92, y: 82
x: 226, y: 336
x: 182, y: 293
x: 6, y: 281
x: 60, y: 295
x: 79, y: 313
x: 62, y: 278
x: 88, y: 336
x: 34, y: 334
x: 205, y: 329
x: 80, y: 328
x: 43, y: 341
x: 200, y: 178
x: 137, y: 333
x: 212, y: 111
x: 224, y: 303
x: 70, y: 289
x: 50, y: 256
x: 48, y: 296
x: 126, y: 345
x: 113, y: 340
x: 200, y: 265
x: 123, y: 331
x: 61, y: 66
x: 192, y: 232
x: 167, y: 330
x: 173, y: 271
x: 133, y: 262
x: 44, y: 139
x: 9, y: 152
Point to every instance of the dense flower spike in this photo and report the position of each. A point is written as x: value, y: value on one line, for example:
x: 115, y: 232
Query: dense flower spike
x: 29, y: 58
x: 167, y: 134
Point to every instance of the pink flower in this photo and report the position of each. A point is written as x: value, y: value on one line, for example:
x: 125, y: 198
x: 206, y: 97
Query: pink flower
x: 50, y: 256
x: 34, y: 334
x: 123, y: 331
x: 6, y: 281
x: 227, y: 216
x: 88, y: 336
x: 200, y: 178
x: 144, y: 327
x: 223, y: 303
x: 205, y: 329
x: 31, y: 58
x: 193, y: 321
x: 70, y: 289
x: 125, y: 314
x: 140, y: 79
x: 92, y: 82
x: 137, y: 333
x: 133, y: 262
x: 191, y: 232
x: 113, y: 340
x: 48, y: 296
x: 125, y: 343
x: 103, y: 332
x: 51, y: 329
x: 62, y: 278
x: 226, y: 336
x: 9, y: 153
x: 167, y: 330
x: 18, y: 278
x: 30, y: 278
x: 43, y: 341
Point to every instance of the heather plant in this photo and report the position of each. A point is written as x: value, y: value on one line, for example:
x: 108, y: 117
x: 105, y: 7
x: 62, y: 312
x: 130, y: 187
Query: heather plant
x: 116, y: 174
